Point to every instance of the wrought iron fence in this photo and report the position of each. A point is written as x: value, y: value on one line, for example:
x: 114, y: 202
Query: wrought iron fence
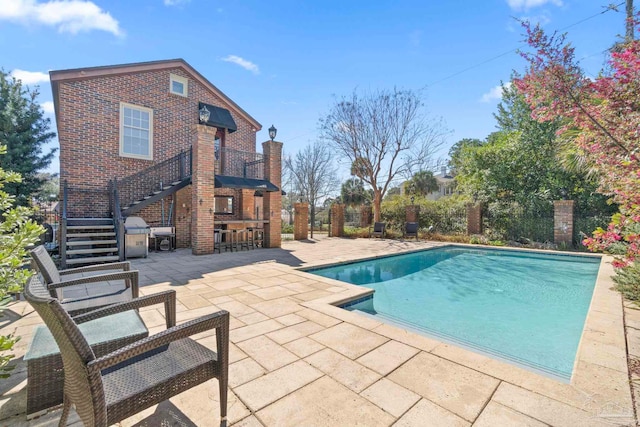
x: 512, y: 222
x: 585, y: 222
x: 245, y: 164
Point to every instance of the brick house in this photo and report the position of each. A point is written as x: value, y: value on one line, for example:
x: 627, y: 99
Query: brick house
x: 159, y: 141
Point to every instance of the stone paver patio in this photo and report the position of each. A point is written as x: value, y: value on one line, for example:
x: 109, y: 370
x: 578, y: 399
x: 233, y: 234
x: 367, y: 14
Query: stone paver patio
x: 296, y: 360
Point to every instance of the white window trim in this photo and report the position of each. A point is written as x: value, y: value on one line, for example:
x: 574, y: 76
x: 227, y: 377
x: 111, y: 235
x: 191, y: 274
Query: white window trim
x: 180, y: 79
x: 137, y: 107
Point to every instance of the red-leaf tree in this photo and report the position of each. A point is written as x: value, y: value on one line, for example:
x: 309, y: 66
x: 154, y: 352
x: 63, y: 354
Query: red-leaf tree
x: 602, y: 116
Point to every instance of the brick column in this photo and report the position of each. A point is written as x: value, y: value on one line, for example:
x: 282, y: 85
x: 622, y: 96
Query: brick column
x: 182, y: 214
x: 300, y: 221
x: 247, y: 204
x: 563, y: 222
x: 412, y: 213
x: 337, y: 220
x: 202, y: 190
x: 365, y: 216
x: 474, y: 219
x: 272, y: 151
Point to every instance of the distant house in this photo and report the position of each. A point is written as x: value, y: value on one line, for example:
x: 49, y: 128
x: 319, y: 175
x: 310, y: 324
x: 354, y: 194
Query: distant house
x: 159, y: 141
x: 446, y: 184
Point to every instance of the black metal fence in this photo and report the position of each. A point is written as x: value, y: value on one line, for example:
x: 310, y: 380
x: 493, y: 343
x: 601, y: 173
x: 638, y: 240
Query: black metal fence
x: 512, y: 222
x: 161, y: 175
x: 245, y: 164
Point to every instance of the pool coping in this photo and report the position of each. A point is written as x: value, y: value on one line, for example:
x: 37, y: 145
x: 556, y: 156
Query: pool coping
x: 599, y: 383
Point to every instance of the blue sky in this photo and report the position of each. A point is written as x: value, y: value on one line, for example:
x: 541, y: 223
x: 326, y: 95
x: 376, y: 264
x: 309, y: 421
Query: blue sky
x: 283, y: 61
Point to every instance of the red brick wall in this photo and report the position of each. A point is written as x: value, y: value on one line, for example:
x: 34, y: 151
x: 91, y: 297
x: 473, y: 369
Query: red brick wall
x: 301, y: 221
x: 89, y: 129
x: 563, y: 222
x: 202, y: 191
x: 337, y: 220
x: 412, y: 213
x: 272, y: 201
x: 474, y: 219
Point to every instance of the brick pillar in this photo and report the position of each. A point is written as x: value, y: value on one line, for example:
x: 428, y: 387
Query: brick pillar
x: 272, y: 201
x: 300, y: 221
x: 247, y: 204
x: 413, y: 213
x: 474, y: 219
x: 202, y: 190
x: 365, y: 216
x: 563, y: 222
x: 182, y: 214
x: 337, y: 220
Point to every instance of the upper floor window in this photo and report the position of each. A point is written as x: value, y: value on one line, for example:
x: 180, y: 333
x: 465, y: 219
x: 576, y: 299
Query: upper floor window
x: 178, y: 85
x: 136, y: 131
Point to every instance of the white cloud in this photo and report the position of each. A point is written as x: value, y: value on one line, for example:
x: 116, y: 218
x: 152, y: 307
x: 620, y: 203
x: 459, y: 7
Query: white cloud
x: 519, y: 5
x: 494, y: 93
x: 68, y: 16
x: 247, y: 65
x: 30, y: 77
x: 47, y: 107
x: 175, y: 2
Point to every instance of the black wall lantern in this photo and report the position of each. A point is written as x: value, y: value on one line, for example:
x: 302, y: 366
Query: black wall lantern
x: 204, y: 114
x: 272, y: 132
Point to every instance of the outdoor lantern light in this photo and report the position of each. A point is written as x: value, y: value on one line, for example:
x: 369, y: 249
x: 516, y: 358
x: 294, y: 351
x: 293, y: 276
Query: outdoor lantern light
x: 204, y: 114
x: 272, y: 132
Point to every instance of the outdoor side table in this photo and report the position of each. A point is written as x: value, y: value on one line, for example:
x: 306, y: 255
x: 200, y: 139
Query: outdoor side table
x: 45, y: 375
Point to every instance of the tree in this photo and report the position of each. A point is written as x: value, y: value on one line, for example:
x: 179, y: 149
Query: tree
x: 601, y: 117
x: 523, y: 162
x: 17, y: 232
x: 384, y: 135
x: 313, y: 175
x: 456, y: 149
x: 24, y: 131
x: 353, y: 193
x: 421, y: 184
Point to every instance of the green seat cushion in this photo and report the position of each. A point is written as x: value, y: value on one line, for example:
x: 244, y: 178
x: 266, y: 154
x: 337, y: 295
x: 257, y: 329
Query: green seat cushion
x: 104, y: 329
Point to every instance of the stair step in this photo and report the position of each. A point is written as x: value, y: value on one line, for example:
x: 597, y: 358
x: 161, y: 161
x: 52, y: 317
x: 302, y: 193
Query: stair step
x: 89, y: 221
x: 105, y: 234
x: 92, y: 260
x: 91, y: 242
x: 90, y: 227
x: 91, y: 251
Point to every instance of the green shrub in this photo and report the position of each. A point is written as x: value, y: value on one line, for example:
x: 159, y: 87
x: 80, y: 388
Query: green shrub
x: 627, y: 280
x: 447, y: 215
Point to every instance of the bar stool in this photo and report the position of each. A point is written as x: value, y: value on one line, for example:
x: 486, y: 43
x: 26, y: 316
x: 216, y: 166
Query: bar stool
x: 217, y: 243
x: 227, y: 240
x: 251, y: 238
x: 258, y: 240
x: 242, y: 239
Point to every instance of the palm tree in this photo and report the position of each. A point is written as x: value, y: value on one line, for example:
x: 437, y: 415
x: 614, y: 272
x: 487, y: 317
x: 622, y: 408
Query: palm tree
x: 421, y: 184
x: 353, y: 193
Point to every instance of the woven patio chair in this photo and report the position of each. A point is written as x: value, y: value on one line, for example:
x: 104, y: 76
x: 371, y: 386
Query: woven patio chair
x: 379, y: 229
x: 113, y: 387
x: 106, y: 329
x: 411, y: 229
x: 79, y: 292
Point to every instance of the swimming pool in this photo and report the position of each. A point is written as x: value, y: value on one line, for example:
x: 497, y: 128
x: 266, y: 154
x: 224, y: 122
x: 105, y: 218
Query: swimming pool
x: 525, y: 307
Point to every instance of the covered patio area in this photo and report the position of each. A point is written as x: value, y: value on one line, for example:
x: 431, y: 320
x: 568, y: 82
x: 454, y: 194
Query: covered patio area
x: 297, y: 360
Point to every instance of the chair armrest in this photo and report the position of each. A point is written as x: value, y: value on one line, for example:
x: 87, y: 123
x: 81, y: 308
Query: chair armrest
x: 219, y: 321
x: 130, y: 278
x: 124, y: 266
x: 166, y: 297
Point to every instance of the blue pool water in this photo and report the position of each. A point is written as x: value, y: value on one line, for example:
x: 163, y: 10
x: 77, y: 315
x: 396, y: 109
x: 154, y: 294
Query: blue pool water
x: 525, y: 307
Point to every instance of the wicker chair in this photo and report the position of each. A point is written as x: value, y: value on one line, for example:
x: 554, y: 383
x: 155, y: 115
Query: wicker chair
x: 113, y: 387
x: 106, y: 329
x: 411, y: 229
x: 78, y: 292
x: 379, y: 229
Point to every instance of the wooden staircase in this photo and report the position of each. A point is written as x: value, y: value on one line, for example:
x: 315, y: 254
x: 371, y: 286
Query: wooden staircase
x: 89, y: 241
